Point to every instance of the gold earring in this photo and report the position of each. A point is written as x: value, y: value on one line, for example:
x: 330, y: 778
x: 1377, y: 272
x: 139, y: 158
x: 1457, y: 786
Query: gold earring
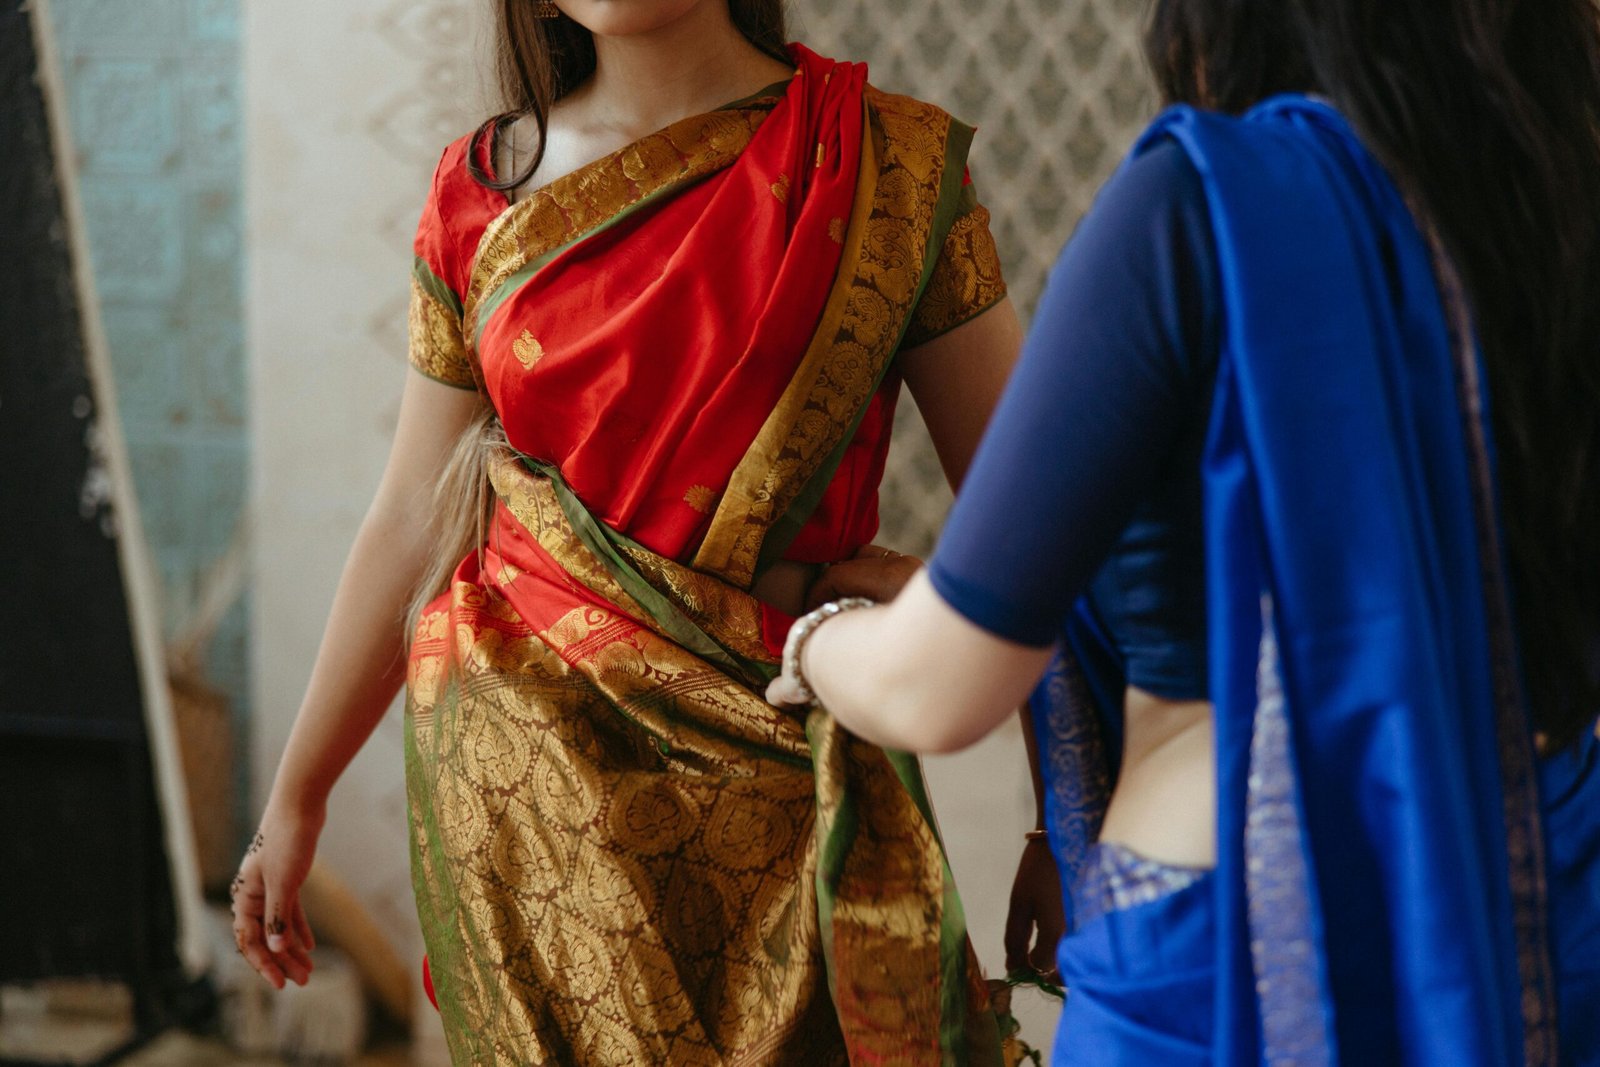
x: 546, y: 9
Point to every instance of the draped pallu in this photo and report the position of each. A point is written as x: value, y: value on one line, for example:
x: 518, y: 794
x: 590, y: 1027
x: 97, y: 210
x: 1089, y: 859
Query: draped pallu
x: 621, y: 852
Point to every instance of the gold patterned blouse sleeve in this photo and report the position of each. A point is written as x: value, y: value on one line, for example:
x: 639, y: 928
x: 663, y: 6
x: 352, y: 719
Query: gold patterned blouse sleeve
x: 966, y: 280
x: 437, y: 347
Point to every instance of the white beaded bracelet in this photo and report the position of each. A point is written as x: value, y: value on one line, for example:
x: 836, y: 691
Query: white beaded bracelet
x: 801, y: 632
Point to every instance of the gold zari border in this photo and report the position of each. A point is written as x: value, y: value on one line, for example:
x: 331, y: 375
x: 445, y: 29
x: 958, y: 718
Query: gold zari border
x: 885, y: 246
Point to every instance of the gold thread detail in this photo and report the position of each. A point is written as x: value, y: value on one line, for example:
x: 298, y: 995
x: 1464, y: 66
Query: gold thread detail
x: 701, y: 498
x: 527, y: 350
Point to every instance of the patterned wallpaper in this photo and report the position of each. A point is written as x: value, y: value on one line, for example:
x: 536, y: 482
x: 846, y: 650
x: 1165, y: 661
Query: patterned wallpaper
x: 153, y: 92
x: 1058, y: 90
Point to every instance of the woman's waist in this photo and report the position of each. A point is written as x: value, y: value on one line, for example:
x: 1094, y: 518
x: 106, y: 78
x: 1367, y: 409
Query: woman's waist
x: 535, y: 559
x: 1164, y: 804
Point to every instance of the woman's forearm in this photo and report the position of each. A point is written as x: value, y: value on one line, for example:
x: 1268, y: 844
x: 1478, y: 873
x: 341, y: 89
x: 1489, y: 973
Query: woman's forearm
x: 360, y: 664
x: 361, y: 661
x: 917, y: 676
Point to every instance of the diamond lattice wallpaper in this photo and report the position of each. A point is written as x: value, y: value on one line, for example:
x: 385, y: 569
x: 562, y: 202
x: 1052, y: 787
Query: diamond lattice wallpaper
x: 1058, y: 90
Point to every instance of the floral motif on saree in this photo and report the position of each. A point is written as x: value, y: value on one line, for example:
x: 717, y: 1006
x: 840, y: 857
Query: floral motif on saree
x: 622, y: 853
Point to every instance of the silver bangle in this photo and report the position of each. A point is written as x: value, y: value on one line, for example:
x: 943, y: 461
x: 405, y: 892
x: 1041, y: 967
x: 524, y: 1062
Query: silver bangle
x: 801, y: 632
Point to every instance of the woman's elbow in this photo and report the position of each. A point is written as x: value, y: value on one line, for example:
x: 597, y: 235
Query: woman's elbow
x: 930, y: 722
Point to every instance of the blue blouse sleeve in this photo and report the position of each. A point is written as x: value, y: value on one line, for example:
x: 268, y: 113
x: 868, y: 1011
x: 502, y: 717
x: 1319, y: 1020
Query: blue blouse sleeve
x: 1121, y: 352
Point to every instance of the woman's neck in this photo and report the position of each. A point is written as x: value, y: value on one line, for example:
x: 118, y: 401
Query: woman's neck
x: 643, y: 82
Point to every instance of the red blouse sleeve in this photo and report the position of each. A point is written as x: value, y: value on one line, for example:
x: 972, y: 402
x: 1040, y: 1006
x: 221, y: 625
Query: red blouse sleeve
x: 438, y: 281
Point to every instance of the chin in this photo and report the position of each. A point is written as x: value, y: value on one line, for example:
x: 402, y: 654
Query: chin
x: 629, y: 18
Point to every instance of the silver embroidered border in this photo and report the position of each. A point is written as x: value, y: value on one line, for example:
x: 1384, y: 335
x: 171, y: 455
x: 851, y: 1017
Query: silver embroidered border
x: 1116, y: 878
x: 1295, y: 1029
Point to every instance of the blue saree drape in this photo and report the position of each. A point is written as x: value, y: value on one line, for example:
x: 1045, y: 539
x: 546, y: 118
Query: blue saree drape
x: 1381, y: 890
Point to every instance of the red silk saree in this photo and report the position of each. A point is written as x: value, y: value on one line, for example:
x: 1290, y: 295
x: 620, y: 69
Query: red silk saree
x: 621, y: 852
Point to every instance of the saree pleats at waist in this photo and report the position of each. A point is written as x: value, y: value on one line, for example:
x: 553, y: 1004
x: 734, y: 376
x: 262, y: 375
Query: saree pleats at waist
x: 623, y: 854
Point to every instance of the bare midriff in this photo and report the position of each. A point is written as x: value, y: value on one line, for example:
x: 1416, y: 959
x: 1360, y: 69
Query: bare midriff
x: 1165, y: 804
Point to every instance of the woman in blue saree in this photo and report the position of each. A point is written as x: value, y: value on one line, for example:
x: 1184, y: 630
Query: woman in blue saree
x: 1294, y: 502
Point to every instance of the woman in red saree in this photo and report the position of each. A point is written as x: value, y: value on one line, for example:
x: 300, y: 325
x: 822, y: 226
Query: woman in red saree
x: 690, y: 350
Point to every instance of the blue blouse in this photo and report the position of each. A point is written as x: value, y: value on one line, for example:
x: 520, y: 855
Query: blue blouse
x: 1088, y: 480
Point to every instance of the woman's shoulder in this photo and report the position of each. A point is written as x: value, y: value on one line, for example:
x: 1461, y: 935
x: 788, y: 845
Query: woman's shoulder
x: 913, y: 134
x: 459, y: 207
x: 453, y: 168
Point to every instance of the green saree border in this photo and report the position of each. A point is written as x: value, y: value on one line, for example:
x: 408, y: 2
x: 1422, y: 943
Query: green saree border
x: 434, y: 285
x: 953, y: 978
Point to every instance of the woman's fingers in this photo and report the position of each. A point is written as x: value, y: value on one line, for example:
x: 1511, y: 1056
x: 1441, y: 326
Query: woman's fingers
x: 1043, y: 957
x: 247, y: 935
x: 266, y: 941
x: 784, y: 693
x: 249, y: 901
x: 289, y: 954
x: 272, y: 920
x: 876, y: 573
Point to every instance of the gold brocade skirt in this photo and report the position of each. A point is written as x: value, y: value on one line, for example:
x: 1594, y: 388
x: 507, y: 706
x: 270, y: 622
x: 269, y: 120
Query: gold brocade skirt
x: 623, y: 855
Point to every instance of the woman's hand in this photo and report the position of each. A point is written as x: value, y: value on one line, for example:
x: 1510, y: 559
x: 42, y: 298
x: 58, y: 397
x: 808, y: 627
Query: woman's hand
x: 1037, y: 918
x: 269, y: 925
x: 876, y: 573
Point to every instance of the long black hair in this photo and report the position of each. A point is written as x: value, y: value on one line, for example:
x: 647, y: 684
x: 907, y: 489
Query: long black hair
x: 1488, y: 114
x: 540, y: 60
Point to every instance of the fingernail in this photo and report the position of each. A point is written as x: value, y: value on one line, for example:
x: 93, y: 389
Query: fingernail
x: 275, y: 942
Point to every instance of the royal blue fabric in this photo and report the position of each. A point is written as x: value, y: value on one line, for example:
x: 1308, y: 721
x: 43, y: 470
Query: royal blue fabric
x: 1338, y: 485
x: 1141, y: 984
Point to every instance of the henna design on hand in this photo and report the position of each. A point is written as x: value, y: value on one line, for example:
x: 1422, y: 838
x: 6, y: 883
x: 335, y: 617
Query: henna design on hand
x: 255, y: 845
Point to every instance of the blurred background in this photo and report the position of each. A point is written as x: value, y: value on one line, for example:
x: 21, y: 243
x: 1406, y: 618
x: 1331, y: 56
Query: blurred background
x: 249, y: 174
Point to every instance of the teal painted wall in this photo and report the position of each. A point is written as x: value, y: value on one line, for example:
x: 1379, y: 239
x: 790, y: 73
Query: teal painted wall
x: 153, y: 91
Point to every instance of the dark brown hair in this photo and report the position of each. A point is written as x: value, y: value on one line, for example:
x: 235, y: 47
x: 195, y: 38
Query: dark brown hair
x: 1488, y: 114
x: 541, y: 60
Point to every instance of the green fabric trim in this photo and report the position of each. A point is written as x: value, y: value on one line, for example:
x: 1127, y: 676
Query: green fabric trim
x: 435, y: 286
x: 951, y: 187
x: 504, y: 292
x: 978, y: 314
x: 606, y: 544
x: 440, y: 933
x: 835, y: 840
x: 968, y: 203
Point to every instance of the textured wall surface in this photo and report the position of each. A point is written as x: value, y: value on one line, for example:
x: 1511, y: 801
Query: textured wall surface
x: 348, y: 107
x: 153, y: 89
